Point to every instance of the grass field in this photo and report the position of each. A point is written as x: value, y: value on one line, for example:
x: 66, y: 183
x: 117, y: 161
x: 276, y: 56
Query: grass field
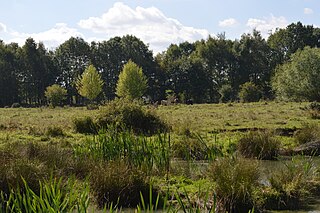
x: 213, y: 117
x: 39, y: 142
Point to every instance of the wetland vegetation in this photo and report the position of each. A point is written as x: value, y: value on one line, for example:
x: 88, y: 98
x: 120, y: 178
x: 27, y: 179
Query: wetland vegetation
x: 207, y: 159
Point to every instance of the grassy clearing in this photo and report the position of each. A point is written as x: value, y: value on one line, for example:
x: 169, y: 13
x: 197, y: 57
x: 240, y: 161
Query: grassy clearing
x: 36, y: 143
x: 215, y: 117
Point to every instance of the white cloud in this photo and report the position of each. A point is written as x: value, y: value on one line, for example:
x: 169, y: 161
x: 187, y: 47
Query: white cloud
x: 267, y: 24
x: 308, y: 11
x: 148, y: 24
x: 228, y: 22
x: 3, y: 27
x: 51, y: 38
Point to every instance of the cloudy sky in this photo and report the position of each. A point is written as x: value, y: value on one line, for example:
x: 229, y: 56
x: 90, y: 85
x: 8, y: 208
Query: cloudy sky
x: 157, y: 22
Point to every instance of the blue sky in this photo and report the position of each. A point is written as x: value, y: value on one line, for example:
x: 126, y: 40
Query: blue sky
x: 157, y: 22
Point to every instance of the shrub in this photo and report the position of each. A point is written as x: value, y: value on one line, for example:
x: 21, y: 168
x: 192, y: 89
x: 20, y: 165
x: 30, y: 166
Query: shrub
x: 249, y: 92
x: 260, y: 145
x: 125, y: 114
x: 84, y: 125
x: 55, y: 94
x: 54, y: 131
x: 308, y: 133
x: 226, y: 93
x: 236, y: 180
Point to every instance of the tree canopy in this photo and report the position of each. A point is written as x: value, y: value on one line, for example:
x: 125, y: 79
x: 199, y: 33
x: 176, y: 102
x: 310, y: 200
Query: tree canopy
x: 132, y: 82
x: 206, y: 71
x: 299, y: 78
x: 90, y: 84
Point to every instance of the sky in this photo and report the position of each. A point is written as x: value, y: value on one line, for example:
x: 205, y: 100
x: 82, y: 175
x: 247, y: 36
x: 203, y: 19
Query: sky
x: 158, y: 23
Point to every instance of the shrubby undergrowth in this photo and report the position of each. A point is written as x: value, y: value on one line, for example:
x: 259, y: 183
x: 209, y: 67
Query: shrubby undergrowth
x: 122, y: 114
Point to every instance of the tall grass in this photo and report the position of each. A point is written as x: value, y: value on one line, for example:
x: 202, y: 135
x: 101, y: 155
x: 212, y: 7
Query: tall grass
x: 293, y: 186
x: 138, y: 151
x: 261, y: 145
x: 55, y: 195
x: 236, y: 179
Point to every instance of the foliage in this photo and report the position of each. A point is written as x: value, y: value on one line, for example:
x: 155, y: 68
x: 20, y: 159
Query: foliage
x: 55, y: 196
x: 84, y: 125
x: 249, y: 92
x: 118, y: 184
x: 195, y: 147
x: 226, y: 93
x: 55, y: 94
x: 90, y: 84
x: 54, y: 131
x: 138, y: 151
x: 126, y: 114
x: 132, y: 82
x: 308, y: 133
x: 235, y: 181
x: 298, y: 79
x: 314, y: 110
x: 261, y: 145
x: 292, y: 186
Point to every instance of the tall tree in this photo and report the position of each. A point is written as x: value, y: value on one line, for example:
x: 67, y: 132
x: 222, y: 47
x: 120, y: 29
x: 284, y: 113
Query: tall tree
x: 299, y: 78
x: 285, y: 42
x: 90, y: 84
x: 37, y: 71
x: 8, y: 74
x: 72, y: 57
x: 253, y: 55
x: 132, y: 82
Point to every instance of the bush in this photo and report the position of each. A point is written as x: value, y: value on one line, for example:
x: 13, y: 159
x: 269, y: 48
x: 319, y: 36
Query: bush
x: 236, y: 180
x: 54, y: 131
x: 260, y: 145
x: 308, y: 133
x: 249, y: 92
x: 55, y: 94
x: 226, y: 93
x: 84, y: 125
x: 125, y: 114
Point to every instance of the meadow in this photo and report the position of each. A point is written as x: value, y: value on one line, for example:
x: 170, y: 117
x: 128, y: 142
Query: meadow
x: 189, y: 167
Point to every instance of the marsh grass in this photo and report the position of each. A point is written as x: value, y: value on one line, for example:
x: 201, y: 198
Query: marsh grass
x: 54, y: 195
x: 309, y: 132
x: 148, y: 153
x: 292, y: 187
x: 235, y: 179
x: 261, y: 145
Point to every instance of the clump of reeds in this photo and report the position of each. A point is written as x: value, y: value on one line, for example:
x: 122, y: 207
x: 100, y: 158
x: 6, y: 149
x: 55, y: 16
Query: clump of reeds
x: 260, y: 145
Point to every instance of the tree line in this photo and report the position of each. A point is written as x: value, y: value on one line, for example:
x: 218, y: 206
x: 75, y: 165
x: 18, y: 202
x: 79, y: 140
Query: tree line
x: 206, y: 71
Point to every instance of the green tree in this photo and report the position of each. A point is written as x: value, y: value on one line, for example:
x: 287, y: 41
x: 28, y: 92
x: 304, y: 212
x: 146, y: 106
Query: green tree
x: 55, y: 94
x: 299, y: 78
x: 90, y: 84
x: 72, y: 57
x: 132, y: 82
x: 249, y: 92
